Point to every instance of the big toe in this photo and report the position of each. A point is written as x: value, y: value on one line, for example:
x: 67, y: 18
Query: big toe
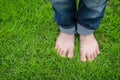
x: 70, y: 53
x: 83, y: 57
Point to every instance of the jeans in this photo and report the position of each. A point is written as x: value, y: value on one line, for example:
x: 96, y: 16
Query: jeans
x: 84, y: 20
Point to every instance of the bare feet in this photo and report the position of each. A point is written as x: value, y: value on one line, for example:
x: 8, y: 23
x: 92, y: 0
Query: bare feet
x: 89, y: 47
x: 64, y: 44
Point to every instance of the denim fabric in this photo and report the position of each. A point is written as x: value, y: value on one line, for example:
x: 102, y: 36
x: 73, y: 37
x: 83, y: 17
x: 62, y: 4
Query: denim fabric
x: 91, y: 12
x: 88, y: 15
x: 83, y: 30
x: 65, y: 11
x: 68, y: 31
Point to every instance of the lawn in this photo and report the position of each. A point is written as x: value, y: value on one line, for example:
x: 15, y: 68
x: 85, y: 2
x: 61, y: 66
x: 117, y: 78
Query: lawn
x: 27, y: 39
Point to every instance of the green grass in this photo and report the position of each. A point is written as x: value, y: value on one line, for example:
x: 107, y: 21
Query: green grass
x: 27, y: 38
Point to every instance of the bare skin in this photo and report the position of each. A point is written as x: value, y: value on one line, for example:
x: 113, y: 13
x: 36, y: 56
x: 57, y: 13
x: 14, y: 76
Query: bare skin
x: 65, y: 44
x: 89, y: 48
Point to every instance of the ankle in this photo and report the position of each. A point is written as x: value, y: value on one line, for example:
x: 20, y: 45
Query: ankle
x: 65, y: 34
x: 86, y: 37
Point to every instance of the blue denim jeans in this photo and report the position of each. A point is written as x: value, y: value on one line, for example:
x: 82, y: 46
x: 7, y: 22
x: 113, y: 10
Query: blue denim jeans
x: 84, y: 20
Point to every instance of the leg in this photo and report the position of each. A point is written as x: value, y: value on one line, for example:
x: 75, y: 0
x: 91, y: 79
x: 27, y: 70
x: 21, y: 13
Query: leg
x: 90, y: 14
x: 64, y: 16
x: 65, y: 11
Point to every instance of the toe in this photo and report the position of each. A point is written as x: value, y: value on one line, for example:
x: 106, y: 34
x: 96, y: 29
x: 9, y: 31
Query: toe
x: 60, y: 51
x: 70, y: 53
x: 83, y: 57
x: 97, y: 50
x: 92, y: 56
x: 64, y: 53
x: 89, y: 56
x: 95, y: 54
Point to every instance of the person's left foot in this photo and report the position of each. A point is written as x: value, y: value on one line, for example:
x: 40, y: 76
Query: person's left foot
x: 64, y: 44
x: 89, y: 47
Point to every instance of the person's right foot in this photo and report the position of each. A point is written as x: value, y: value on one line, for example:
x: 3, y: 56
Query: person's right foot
x: 64, y: 44
x: 89, y: 47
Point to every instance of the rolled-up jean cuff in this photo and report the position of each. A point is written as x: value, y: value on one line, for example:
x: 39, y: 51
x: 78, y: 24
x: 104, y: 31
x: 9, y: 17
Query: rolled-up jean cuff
x: 67, y: 31
x: 83, y: 30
